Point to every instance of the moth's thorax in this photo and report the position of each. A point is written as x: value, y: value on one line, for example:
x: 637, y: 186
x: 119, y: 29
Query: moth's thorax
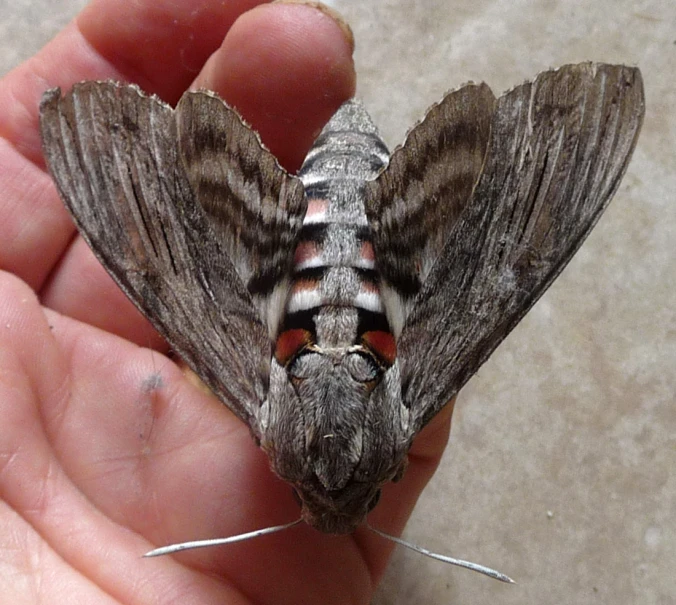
x: 320, y: 431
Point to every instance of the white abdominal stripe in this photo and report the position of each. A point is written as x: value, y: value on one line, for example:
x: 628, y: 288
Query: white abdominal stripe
x: 307, y: 294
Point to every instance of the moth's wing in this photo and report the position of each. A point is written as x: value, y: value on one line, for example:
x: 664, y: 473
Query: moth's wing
x: 414, y: 203
x: 114, y: 155
x: 557, y: 150
x: 256, y: 207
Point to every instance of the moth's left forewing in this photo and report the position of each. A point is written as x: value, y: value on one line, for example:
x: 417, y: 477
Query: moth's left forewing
x: 558, y: 148
x: 114, y: 154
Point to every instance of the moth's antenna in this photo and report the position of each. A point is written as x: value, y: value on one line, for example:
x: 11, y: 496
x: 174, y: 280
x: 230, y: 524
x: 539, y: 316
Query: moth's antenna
x: 487, y: 571
x: 172, y: 548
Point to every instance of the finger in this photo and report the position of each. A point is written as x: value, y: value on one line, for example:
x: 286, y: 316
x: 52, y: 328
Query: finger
x: 299, y: 74
x: 161, y: 44
x: 282, y: 41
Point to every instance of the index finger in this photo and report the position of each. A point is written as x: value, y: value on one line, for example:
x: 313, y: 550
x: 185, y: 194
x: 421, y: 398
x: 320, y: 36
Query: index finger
x: 160, y: 45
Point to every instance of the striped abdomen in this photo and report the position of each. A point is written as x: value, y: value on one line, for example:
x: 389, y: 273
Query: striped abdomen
x: 335, y: 300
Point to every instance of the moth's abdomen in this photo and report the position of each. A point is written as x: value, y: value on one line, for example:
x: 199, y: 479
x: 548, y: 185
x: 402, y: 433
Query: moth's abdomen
x: 335, y: 299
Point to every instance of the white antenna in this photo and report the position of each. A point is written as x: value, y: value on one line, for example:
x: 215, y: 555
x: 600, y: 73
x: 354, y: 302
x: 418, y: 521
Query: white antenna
x: 487, y: 571
x: 172, y: 548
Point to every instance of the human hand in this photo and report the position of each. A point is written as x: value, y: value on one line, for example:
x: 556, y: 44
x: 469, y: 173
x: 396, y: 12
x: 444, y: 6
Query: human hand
x: 106, y: 448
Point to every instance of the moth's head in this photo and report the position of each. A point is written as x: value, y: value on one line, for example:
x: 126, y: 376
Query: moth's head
x: 334, y: 427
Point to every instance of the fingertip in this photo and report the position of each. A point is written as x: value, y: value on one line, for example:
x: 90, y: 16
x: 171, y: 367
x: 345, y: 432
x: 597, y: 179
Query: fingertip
x: 329, y: 12
x: 286, y: 67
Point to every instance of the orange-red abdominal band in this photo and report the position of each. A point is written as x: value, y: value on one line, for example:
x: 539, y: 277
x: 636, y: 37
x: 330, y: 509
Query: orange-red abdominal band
x: 316, y: 210
x: 382, y: 344
x: 305, y: 252
x: 291, y: 342
x: 367, y: 252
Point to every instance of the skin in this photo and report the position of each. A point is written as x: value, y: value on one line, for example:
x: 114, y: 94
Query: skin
x: 107, y: 447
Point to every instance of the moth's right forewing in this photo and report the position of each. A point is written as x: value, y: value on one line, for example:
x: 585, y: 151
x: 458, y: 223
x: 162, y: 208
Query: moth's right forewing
x: 557, y: 151
x: 113, y: 154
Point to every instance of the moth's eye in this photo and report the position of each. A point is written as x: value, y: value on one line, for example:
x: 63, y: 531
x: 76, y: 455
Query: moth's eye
x: 374, y: 501
x: 362, y: 368
x: 305, y: 365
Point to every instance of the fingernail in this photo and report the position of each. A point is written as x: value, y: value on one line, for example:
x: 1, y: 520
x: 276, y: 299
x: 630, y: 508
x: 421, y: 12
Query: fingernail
x: 329, y: 12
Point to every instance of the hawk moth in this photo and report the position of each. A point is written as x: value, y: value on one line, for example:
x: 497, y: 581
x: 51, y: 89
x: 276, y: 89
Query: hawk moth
x: 337, y: 311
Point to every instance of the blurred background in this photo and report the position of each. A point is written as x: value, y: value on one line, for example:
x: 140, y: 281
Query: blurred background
x: 560, y: 470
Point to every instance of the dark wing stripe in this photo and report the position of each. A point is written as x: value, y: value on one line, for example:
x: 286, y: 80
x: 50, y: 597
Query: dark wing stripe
x: 415, y: 201
x: 256, y: 206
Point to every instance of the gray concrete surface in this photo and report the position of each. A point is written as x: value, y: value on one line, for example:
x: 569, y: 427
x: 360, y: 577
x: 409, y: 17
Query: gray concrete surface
x: 560, y: 469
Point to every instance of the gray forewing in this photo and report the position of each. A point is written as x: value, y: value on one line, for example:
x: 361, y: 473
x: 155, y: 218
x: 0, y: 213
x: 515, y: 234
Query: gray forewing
x: 114, y: 154
x: 557, y: 150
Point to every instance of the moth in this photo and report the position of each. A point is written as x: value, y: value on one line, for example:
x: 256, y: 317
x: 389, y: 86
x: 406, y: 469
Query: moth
x: 337, y: 311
